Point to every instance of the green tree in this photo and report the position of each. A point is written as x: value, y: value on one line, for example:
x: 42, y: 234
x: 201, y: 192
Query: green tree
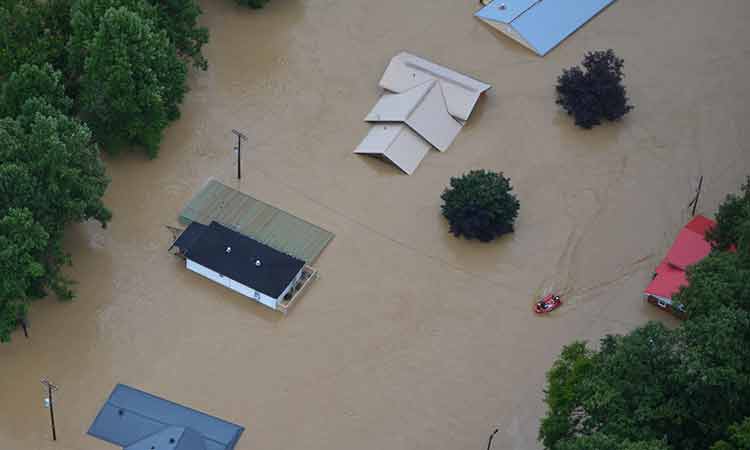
x: 599, y: 441
x: 33, y: 32
x: 718, y: 280
x: 594, y: 93
x: 683, y: 388
x: 255, y: 4
x: 738, y: 439
x: 31, y: 81
x: 86, y: 19
x: 133, y: 82
x: 52, y: 168
x: 178, y: 18
x: 731, y: 220
x: 65, y: 175
x: 22, y: 246
x: 480, y: 205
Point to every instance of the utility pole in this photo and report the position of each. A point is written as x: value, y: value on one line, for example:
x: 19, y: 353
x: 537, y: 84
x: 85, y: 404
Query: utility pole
x: 50, y: 389
x: 240, y: 137
x: 694, y: 202
x: 489, y: 443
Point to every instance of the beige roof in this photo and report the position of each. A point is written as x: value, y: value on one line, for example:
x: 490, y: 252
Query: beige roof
x: 407, y: 71
x: 423, y: 108
x: 396, y: 142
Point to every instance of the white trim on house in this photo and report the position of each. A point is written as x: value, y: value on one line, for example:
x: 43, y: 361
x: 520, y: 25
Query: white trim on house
x: 240, y: 288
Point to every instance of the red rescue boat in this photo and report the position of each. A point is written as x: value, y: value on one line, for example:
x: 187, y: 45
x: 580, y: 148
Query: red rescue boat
x: 549, y: 303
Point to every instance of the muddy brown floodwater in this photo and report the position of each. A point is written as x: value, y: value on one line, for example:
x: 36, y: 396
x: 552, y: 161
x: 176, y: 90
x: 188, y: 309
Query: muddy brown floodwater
x: 411, y: 339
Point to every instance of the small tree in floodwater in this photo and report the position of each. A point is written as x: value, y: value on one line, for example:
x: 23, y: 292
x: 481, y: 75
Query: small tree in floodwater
x: 596, y: 93
x: 255, y: 4
x: 480, y: 205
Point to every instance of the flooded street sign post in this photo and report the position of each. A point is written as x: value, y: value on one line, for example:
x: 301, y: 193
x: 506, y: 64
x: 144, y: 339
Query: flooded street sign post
x: 49, y: 403
x: 240, y: 137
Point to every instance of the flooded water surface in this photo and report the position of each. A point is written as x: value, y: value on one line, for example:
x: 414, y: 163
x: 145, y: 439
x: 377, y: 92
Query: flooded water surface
x: 410, y: 339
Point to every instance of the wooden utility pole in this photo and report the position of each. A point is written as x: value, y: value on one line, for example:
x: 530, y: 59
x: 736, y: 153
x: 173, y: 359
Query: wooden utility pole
x: 50, y: 389
x: 694, y: 202
x: 240, y: 137
x: 489, y: 443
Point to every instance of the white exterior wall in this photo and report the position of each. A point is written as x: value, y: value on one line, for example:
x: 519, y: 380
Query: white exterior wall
x: 236, y: 286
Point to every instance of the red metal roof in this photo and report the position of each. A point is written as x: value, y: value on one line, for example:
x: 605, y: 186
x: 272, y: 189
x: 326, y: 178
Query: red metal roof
x: 689, y: 247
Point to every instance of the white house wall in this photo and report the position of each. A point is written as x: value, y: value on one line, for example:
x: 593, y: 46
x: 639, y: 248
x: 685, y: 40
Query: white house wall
x: 233, y: 285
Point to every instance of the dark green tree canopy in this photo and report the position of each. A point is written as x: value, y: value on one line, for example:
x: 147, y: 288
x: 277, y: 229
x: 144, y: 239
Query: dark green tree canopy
x: 56, y: 163
x: 33, y: 32
x: 721, y: 279
x: 133, y: 82
x: 480, y: 205
x: 255, y: 4
x: 178, y: 18
x: 738, y: 439
x: 31, y: 81
x: 595, y: 92
x: 23, y: 243
x: 50, y: 175
x: 600, y: 441
x: 681, y: 389
x: 732, y: 220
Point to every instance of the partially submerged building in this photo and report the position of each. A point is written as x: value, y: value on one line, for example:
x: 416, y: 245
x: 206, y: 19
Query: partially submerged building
x: 689, y: 247
x: 136, y: 420
x: 540, y: 25
x: 243, y: 264
x: 426, y: 106
x: 249, y: 246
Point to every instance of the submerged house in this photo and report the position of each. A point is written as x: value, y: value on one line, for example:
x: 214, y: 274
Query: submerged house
x: 243, y: 264
x: 425, y: 105
x: 690, y: 246
x: 136, y: 420
x: 540, y: 25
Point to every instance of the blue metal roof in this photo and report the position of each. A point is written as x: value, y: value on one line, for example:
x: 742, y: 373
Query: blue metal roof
x: 136, y: 420
x: 544, y: 23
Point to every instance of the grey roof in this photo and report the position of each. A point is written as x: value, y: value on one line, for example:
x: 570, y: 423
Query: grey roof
x: 266, y: 224
x: 240, y: 258
x: 136, y: 420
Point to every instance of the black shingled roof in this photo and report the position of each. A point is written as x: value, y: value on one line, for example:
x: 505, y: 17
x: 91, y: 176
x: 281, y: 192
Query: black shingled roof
x: 207, y: 246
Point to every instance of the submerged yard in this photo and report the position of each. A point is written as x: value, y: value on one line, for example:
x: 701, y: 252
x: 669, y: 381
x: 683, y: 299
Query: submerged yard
x: 411, y: 338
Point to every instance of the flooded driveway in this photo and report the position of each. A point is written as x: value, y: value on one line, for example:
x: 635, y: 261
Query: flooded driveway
x: 411, y: 339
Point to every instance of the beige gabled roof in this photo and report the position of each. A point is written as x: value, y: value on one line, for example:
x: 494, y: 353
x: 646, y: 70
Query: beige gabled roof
x: 423, y: 109
x: 406, y: 71
x: 396, y: 142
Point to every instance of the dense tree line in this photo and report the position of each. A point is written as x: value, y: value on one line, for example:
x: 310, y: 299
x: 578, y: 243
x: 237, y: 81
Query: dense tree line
x: 75, y: 76
x: 661, y: 389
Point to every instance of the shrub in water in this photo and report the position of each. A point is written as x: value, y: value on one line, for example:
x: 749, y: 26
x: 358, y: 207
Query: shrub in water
x: 480, y: 205
x: 594, y: 92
